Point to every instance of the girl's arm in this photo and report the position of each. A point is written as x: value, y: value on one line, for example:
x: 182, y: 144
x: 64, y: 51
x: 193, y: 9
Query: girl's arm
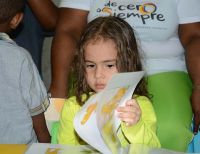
x: 144, y: 130
x: 66, y: 132
x: 40, y: 127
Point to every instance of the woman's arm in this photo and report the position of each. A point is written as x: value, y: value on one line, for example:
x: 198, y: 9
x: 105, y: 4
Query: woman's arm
x: 190, y: 38
x: 46, y: 12
x: 71, y: 24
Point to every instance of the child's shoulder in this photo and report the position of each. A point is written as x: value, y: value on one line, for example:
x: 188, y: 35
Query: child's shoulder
x: 71, y: 105
x: 11, y: 49
x: 71, y: 101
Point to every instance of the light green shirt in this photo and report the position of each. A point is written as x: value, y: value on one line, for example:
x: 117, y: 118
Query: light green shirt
x: 144, y: 132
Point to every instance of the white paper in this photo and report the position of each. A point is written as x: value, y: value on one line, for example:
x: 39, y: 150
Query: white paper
x: 100, y: 129
x: 45, y: 148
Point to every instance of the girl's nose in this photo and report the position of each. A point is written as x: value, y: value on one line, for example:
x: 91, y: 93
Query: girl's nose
x: 99, y: 73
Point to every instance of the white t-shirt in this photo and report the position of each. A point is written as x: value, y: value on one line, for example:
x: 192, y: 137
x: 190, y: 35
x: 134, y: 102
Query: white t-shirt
x: 156, y: 25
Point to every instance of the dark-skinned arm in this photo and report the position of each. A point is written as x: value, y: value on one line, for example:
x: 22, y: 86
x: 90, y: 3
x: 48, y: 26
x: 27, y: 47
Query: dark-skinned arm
x: 46, y: 12
x: 190, y: 38
x: 71, y: 23
x: 40, y: 127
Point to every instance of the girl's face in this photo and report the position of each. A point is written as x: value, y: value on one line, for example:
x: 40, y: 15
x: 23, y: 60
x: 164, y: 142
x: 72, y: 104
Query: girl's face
x: 100, y: 63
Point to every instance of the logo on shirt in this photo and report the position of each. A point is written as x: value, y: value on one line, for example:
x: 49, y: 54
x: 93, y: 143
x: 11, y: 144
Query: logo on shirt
x: 147, y: 8
x: 144, y: 12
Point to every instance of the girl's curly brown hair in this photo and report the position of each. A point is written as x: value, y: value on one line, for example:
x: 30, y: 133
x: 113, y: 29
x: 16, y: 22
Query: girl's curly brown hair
x: 128, y: 58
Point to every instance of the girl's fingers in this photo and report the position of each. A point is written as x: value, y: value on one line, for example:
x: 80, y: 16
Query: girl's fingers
x: 130, y: 121
x: 126, y: 109
x: 125, y: 116
x: 132, y: 102
x: 130, y: 113
x: 129, y: 107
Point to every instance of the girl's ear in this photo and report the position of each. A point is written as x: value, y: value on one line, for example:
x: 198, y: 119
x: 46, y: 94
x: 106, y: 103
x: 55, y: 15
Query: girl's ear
x: 14, y: 22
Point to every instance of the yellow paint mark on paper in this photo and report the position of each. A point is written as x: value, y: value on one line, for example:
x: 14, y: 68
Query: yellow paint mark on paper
x: 88, y: 113
x: 112, y: 104
x: 53, y: 151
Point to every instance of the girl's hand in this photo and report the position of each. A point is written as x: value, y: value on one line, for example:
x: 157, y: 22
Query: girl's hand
x: 130, y: 113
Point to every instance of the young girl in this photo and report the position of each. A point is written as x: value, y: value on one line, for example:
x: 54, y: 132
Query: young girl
x: 108, y: 46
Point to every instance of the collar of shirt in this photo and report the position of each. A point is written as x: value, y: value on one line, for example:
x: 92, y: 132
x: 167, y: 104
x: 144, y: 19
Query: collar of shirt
x: 5, y: 37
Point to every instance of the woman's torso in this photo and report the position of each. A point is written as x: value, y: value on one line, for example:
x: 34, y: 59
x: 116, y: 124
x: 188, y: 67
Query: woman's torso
x: 156, y: 26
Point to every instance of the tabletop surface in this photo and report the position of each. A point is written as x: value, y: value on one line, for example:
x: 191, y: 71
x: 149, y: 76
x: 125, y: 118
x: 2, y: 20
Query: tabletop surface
x: 12, y: 148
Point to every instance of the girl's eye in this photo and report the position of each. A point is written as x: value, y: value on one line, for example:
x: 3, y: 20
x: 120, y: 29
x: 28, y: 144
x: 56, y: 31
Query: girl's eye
x: 90, y: 65
x: 111, y: 65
